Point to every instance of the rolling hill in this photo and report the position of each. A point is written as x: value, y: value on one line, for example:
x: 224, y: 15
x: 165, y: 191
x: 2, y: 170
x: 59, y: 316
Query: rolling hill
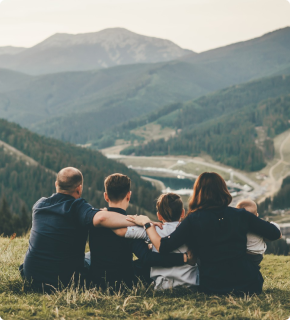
x: 224, y: 124
x: 12, y: 80
x: 90, y: 51
x: 78, y: 106
x: 256, y: 58
x: 29, y: 162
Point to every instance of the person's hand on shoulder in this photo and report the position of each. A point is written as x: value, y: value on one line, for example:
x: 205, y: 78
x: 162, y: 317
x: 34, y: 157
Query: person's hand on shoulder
x: 139, y: 220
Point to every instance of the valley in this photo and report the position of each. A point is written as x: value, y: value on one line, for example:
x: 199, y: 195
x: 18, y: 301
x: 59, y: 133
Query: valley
x: 162, y: 111
x: 262, y: 184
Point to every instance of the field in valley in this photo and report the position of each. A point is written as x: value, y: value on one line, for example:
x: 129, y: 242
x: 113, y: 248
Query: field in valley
x: 17, y: 301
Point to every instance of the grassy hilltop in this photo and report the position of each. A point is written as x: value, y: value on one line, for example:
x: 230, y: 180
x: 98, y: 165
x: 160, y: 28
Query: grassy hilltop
x: 17, y: 301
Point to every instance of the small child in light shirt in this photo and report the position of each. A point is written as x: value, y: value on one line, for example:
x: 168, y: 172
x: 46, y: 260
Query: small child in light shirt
x: 170, y: 212
x: 256, y: 245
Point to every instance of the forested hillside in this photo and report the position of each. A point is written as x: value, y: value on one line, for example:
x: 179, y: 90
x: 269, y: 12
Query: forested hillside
x: 23, y: 183
x: 280, y: 201
x: 79, y: 106
x: 224, y: 124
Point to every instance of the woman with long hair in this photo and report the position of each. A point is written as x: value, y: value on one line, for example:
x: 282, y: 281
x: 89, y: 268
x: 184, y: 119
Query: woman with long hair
x: 217, y: 235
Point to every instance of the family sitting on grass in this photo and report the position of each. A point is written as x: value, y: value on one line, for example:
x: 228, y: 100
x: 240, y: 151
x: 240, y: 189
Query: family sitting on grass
x: 214, y: 248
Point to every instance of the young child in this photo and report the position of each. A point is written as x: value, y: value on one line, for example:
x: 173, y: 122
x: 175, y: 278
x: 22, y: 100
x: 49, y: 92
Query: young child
x: 170, y: 211
x: 256, y: 245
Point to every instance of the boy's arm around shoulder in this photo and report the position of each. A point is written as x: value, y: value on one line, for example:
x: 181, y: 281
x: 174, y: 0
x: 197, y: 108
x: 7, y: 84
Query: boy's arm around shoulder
x: 111, y: 220
x: 134, y: 232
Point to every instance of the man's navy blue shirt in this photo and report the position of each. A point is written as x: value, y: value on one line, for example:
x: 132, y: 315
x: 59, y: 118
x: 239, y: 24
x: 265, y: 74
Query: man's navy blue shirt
x: 58, y: 237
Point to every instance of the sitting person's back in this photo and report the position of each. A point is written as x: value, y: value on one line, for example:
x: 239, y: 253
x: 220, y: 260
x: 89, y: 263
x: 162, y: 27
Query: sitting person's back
x: 256, y: 245
x: 59, y: 232
x: 170, y: 211
x: 111, y: 256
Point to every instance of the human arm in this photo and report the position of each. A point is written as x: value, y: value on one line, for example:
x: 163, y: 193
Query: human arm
x: 167, y: 244
x: 134, y: 232
x: 275, y: 224
x: 120, y: 232
x: 111, y: 220
x: 262, y: 228
x: 154, y: 259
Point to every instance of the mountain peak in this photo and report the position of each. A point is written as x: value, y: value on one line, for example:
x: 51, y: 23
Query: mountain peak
x: 95, y: 50
x: 107, y: 37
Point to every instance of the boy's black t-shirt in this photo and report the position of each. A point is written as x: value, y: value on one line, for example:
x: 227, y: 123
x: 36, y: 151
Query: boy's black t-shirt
x: 111, y: 255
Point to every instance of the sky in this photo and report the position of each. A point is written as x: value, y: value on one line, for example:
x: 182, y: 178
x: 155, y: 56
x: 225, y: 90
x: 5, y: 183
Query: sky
x: 198, y: 25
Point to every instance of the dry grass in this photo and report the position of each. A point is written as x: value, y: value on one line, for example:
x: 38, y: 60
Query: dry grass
x: 17, y: 301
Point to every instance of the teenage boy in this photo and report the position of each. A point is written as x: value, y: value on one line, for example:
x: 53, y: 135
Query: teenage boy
x: 111, y: 256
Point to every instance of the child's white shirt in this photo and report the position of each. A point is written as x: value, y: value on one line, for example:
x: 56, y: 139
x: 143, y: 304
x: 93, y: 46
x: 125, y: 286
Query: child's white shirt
x: 257, y: 244
x: 167, y: 278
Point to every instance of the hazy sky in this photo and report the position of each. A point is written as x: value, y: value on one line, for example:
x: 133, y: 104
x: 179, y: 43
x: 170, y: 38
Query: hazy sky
x: 194, y: 24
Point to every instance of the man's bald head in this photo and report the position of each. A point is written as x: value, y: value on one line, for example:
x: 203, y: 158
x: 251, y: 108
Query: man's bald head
x: 248, y: 205
x: 68, y: 180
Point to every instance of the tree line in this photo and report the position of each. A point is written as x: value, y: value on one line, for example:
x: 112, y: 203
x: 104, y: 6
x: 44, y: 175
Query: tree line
x: 23, y: 183
x: 229, y: 139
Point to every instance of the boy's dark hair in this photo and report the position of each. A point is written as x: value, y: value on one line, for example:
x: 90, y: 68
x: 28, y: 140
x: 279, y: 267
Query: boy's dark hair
x: 170, y: 207
x: 117, y: 186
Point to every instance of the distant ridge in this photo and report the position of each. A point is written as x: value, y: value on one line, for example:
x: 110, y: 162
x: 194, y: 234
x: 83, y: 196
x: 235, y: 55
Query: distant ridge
x: 90, y: 51
x: 242, y: 61
x: 11, y: 50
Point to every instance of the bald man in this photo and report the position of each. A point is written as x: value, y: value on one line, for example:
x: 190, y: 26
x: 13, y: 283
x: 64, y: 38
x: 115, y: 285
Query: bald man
x: 59, y: 232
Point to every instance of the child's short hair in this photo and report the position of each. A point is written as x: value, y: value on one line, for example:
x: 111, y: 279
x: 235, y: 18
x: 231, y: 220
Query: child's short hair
x: 170, y: 207
x: 117, y: 186
x: 248, y: 205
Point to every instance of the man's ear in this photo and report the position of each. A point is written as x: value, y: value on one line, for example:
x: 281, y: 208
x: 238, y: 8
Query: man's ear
x: 129, y: 195
x: 79, y: 190
x: 56, y: 185
x: 106, y: 197
x: 159, y: 216
x: 182, y: 214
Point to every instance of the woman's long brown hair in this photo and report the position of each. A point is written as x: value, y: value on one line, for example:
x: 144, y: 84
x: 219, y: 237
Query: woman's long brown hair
x: 209, y: 192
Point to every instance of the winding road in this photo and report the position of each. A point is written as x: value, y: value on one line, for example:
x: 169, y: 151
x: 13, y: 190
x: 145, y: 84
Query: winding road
x: 257, y: 191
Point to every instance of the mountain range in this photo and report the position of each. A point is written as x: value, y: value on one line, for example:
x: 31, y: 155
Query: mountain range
x: 90, y: 51
x: 84, y: 106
